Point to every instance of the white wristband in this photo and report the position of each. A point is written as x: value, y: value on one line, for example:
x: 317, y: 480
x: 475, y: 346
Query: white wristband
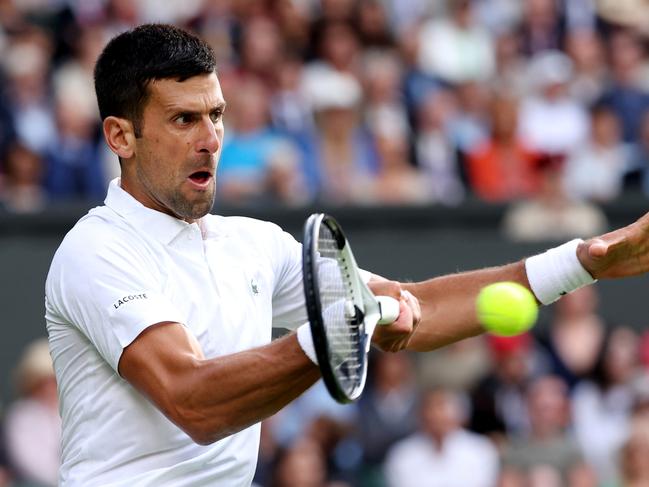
x: 556, y: 272
x: 305, y: 340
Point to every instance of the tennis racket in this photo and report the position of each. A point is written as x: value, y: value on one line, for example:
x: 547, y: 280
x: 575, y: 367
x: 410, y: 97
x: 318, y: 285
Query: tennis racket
x: 343, y: 312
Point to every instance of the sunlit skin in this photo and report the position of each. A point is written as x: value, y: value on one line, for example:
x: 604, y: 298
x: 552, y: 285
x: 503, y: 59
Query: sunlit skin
x: 171, y: 166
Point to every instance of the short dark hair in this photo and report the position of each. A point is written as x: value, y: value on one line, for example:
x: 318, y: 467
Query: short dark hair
x: 131, y: 60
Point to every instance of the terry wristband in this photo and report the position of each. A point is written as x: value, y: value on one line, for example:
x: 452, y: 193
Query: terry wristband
x: 556, y: 272
x: 305, y: 340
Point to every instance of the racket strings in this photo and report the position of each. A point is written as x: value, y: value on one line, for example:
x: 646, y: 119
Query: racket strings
x: 339, y: 316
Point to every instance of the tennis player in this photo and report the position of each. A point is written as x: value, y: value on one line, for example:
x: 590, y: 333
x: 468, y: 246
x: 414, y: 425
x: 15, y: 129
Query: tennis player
x: 159, y: 314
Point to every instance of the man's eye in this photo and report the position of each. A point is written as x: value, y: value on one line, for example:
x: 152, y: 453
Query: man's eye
x: 216, y: 116
x: 184, y: 119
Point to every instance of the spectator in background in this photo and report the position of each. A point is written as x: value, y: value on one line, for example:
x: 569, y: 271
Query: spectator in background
x: 338, y: 49
x: 33, y: 425
x: 442, y: 453
x: 575, y: 336
x: 261, y: 49
x: 595, y: 170
x: 74, y: 162
x: 345, y: 152
x: 436, y: 155
x: 456, y: 49
x: 625, y: 93
x: 459, y: 366
x: 387, y: 410
x: 26, y: 62
x: 542, y: 28
x: 634, y: 467
x: 602, y: 406
x: 315, y: 415
x: 586, y: 50
x: 302, y: 464
x: 550, y: 121
x: 257, y: 163
x: 499, y: 15
x: 373, y: 25
x: 397, y: 181
x: 383, y: 108
x: 551, y: 214
x: 7, y: 131
x: 546, y: 456
x: 469, y: 128
x: 503, y: 168
x: 21, y: 190
x: 638, y: 175
x: 294, y: 22
x: 498, y: 400
x: 510, y: 75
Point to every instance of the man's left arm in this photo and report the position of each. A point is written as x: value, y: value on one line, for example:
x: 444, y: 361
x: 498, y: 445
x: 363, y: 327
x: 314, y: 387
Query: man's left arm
x: 447, y: 303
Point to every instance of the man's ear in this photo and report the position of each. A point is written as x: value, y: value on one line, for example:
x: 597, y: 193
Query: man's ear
x: 120, y: 136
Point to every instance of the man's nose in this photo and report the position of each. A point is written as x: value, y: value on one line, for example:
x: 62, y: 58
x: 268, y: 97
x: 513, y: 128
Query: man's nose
x: 209, y: 141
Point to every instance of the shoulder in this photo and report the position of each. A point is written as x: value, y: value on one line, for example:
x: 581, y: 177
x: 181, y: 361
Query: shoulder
x: 101, y: 239
x: 98, y: 231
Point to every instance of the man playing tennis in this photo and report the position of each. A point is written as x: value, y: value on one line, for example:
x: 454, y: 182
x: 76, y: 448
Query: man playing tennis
x: 159, y: 315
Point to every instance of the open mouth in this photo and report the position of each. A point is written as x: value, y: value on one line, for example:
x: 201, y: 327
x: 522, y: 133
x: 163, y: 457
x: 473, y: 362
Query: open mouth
x: 200, y: 178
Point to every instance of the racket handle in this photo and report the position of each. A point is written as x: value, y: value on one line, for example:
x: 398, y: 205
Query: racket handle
x: 389, y: 309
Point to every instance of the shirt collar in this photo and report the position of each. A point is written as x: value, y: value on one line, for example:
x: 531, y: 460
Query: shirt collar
x: 156, y: 224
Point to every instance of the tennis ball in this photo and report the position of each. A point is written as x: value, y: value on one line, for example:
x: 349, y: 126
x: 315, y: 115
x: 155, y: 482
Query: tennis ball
x: 506, y: 308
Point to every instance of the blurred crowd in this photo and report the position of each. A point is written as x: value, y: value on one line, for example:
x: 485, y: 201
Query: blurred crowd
x: 564, y: 406
x: 538, y: 103
x: 541, y: 105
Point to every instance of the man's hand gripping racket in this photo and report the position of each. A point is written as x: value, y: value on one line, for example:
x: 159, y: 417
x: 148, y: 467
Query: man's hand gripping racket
x: 343, y: 312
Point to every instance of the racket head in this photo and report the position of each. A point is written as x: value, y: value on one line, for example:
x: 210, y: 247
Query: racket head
x: 334, y: 307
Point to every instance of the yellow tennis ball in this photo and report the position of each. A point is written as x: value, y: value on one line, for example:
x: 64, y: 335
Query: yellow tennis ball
x: 506, y: 308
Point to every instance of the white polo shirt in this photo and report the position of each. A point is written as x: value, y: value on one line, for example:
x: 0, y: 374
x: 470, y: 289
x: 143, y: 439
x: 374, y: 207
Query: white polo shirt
x: 124, y: 267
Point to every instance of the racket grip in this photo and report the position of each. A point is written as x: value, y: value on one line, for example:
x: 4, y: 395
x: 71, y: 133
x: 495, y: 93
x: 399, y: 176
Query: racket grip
x: 389, y: 308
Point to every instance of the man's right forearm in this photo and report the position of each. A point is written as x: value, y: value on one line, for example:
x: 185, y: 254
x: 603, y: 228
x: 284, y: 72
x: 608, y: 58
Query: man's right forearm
x: 210, y: 399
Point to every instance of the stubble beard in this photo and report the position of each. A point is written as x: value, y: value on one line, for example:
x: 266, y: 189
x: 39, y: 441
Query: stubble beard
x: 192, y: 209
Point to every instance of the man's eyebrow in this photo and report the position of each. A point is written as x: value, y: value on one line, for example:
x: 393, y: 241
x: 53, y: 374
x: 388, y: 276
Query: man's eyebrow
x: 179, y: 109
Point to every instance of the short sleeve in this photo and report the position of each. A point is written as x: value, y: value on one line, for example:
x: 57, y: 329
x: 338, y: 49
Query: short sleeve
x: 289, y: 310
x: 110, y: 290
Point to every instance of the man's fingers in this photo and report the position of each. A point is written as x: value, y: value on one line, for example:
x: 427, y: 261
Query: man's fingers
x: 598, y: 249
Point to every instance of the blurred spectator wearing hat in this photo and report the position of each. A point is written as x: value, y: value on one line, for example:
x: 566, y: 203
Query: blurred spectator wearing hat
x: 442, y: 453
x: 344, y: 150
x: 33, y: 425
x: 550, y: 121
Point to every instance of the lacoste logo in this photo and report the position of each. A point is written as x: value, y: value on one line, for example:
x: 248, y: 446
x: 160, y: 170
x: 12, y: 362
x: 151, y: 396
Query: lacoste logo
x: 254, y: 286
x: 130, y: 297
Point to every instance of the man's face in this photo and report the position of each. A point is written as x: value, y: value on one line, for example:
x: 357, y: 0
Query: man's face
x: 175, y: 159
